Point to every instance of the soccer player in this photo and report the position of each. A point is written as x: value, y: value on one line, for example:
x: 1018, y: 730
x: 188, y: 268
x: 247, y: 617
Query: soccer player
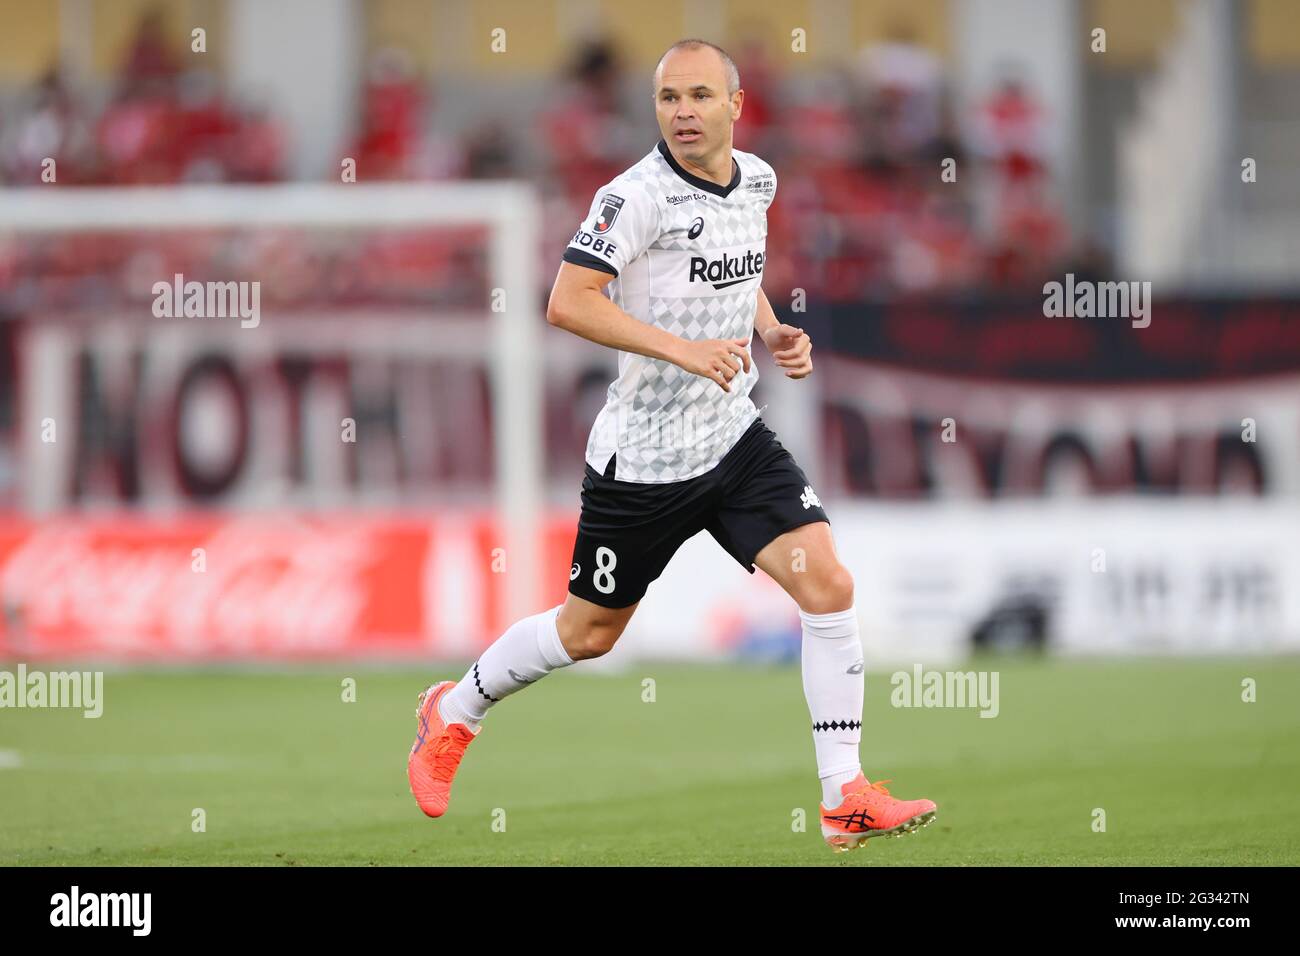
x: 667, y: 268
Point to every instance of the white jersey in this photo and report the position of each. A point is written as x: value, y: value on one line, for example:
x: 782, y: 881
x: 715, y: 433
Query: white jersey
x: 688, y: 255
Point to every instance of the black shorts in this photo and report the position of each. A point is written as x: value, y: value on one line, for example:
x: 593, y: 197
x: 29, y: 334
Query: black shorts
x: 628, y: 530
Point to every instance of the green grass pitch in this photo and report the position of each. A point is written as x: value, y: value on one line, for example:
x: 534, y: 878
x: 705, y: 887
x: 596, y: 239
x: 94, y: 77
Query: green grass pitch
x: 581, y: 770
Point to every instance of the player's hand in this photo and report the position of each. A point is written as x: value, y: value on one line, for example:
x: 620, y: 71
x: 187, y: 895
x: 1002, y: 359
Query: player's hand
x: 716, y: 359
x: 791, y: 348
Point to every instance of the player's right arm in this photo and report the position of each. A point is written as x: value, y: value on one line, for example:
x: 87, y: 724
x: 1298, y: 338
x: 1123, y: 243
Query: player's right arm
x: 621, y: 225
x: 579, y: 305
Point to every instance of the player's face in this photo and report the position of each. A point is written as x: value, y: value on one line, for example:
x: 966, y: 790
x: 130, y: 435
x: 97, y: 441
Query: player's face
x: 694, y: 111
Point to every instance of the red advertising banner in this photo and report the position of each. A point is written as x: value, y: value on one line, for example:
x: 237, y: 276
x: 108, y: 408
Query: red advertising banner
x: 261, y: 586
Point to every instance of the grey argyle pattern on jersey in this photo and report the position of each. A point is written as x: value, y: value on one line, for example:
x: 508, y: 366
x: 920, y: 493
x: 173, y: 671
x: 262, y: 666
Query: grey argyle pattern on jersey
x: 664, y: 423
x: 680, y: 424
x: 725, y: 225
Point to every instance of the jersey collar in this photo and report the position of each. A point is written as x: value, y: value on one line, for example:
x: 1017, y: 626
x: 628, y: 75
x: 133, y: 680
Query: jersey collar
x: 707, y: 185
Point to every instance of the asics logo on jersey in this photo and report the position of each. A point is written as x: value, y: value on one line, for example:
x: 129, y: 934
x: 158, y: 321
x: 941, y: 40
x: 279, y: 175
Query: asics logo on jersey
x: 727, y: 271
x: 697, y: 227
x: 577, y: 569
x: 609, y: 207
x: 856, y: 668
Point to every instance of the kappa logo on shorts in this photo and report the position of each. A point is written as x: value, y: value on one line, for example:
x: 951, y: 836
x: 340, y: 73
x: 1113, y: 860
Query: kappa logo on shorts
x: 809, y: 498
x: 577, y: 569
x: 609, y: 207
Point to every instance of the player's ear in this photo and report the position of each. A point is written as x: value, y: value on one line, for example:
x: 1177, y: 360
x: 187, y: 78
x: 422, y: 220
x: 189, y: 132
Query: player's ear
x: 737, y: 101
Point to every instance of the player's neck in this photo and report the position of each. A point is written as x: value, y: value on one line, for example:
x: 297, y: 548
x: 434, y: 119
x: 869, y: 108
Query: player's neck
x: 718, y: 171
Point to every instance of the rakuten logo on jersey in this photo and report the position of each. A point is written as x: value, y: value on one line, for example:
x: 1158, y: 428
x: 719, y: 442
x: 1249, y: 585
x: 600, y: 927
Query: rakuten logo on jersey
x: 727, y: 271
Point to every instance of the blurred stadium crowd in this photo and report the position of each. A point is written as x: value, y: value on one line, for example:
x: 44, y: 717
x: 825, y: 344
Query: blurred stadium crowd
x: 862, y: 212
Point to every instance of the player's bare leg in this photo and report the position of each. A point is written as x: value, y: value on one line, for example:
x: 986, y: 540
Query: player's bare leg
x: 449, y: 713
x: 588, y: 630
x: 804, y: 563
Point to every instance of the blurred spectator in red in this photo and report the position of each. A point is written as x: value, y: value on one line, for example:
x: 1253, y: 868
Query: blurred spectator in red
x: 490, y: 153
x: 756, y: 131
x: 1029, y: 234
x: 1030, y: 237
x: 900, y: 82
x: 822, y: 127
x: 1010, y: 131
x: 256, y: 152
x: 134, y: 139
x: 150, y: 57
x: 588, y: 139
x: 393, y: 142
x: 205, y: 130
x: 48, y: 127
x: 391, y: 108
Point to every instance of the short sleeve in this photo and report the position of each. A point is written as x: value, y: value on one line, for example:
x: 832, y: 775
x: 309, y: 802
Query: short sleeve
x: 622, y: 223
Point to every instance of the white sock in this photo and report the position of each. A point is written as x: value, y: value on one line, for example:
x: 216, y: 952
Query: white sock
x: 528, y: 651
x: 833, y: 686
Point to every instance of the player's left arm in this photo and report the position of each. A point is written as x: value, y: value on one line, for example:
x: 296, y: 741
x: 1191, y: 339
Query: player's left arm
x: 790, y: 346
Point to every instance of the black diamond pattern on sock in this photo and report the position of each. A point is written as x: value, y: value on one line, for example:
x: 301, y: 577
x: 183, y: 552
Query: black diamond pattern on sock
x: 838, y: 725
x: 479, y: 685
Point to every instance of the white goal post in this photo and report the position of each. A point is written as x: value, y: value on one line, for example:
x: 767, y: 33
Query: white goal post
x: 509, y: 210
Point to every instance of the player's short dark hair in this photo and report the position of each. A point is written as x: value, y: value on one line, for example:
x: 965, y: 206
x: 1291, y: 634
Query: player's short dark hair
x: 728, y: 64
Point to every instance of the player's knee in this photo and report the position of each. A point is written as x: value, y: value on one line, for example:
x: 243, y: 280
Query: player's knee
x: 829, y: 592
x: 589, y: 637
x: 595, y: 640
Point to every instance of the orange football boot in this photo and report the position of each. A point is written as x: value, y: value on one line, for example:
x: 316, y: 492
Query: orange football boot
x: 869, y: 811
x: 436, y: 753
